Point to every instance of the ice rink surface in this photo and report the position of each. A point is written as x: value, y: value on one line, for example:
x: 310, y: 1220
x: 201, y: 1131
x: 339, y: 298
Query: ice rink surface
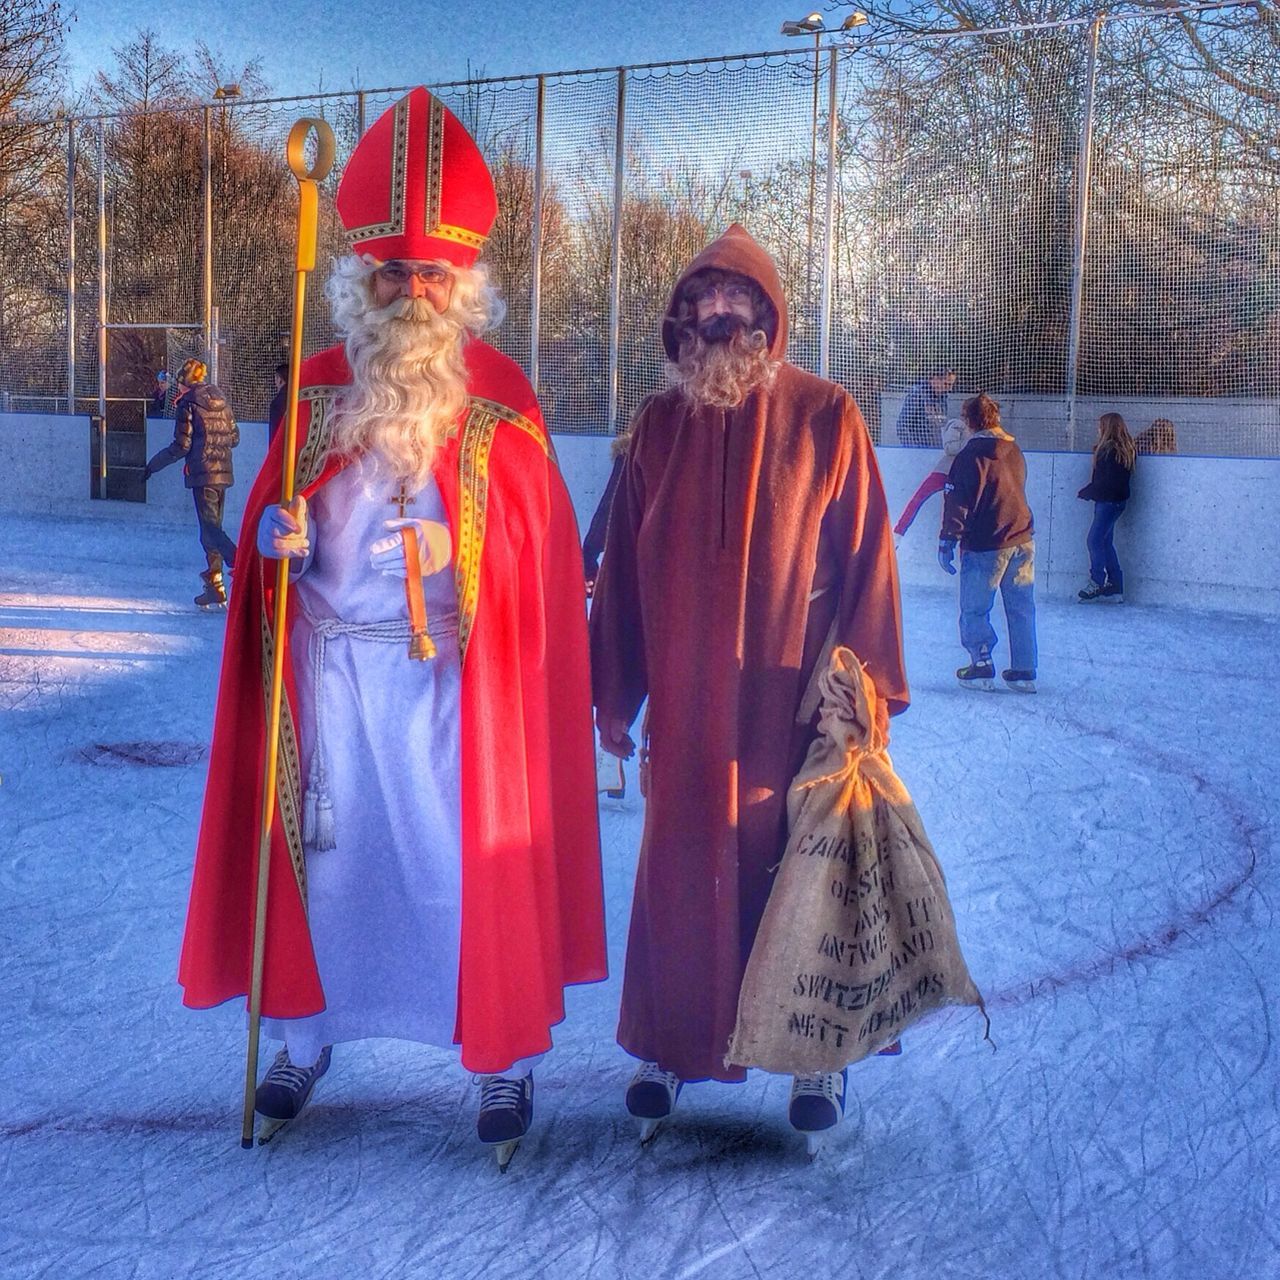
x: 1109, y: 849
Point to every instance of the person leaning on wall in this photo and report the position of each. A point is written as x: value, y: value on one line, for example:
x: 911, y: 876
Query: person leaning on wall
x: 279, y: 401
x: 1160, y: 437
x: 1114, y: 456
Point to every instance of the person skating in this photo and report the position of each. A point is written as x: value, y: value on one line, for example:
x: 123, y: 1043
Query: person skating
x: 954, y: 435
x: 985, y: 511
x: 204, y: 435
x: 748, y: 532
x: 1114, y: 456
x: 435, y: 868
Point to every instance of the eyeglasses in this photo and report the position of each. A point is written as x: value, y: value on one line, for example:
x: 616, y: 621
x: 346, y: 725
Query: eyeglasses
x: 733, y: 292
x: 400, y: 272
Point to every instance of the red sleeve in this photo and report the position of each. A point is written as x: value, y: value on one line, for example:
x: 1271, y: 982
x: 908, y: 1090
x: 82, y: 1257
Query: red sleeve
x: 931, y: 484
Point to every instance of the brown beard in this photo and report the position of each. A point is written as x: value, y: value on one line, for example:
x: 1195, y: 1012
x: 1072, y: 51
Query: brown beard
x: 722, y: 374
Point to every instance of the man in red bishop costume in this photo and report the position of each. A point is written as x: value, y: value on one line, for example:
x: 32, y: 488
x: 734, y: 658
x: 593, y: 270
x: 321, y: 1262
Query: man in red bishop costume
x: 435, y: 865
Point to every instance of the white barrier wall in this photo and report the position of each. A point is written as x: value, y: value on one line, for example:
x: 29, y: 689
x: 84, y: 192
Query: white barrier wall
x: 44, y: 469
x: 1206, y: 426
x: 1199, y: 532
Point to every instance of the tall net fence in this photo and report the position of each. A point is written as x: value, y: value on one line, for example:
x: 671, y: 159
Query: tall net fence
x: 1074, y: 218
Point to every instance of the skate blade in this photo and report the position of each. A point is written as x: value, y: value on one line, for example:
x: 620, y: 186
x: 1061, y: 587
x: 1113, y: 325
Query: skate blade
x: 813, y: 1145
x: 1020, y: 686
x: 984, y: 686
x: 503, y: 1152
x: 269, y: 1130
x: 649, y: 1132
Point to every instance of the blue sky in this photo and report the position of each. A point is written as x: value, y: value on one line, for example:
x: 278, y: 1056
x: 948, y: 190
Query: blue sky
x: 393, y: 42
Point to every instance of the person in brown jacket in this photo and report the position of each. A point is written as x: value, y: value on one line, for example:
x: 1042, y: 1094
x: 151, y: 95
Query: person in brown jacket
x: 749, y: 532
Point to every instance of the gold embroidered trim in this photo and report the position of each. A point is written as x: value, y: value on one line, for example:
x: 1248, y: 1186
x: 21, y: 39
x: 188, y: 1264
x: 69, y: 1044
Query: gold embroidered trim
x: 311, y: 460
x: 394, y: 226
x: 435, y: 165
x: 288, y: 770
x: 459, y: 235
x: 506, y: 414
x: 473, y: 506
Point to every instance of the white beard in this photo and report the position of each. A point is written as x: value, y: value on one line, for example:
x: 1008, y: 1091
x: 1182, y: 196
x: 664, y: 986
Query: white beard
x: 408, y: 388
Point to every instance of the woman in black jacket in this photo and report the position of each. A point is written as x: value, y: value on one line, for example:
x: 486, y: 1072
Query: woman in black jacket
x: 1108, y: 490
x: 204, y: 434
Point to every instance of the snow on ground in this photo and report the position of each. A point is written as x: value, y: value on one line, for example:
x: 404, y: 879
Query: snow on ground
x: 1109, y: 848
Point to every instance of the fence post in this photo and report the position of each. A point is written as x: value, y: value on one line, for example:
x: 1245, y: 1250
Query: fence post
x: 535, y: 284
x: 102, y: 309
x: 359, y: 115
x: 615, y: 266
x: 1084, y: 172
x: 207, y: 283
x: 829, y: 241
x: 71, y: 266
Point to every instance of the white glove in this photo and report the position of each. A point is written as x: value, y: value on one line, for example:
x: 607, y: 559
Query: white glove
x: 435, y: 547
x: 283, y: 532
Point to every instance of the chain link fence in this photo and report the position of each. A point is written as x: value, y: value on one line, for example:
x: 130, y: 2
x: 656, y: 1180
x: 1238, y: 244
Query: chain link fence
x: 1077, y: 217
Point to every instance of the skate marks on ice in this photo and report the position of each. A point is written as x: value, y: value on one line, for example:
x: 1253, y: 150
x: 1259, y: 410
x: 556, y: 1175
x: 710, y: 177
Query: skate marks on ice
x: 156, y: 755
x: 1238, y: 840
x: 1168, y: 853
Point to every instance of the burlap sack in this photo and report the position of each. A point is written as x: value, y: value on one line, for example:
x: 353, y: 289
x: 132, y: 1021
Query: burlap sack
x: 858, y: 940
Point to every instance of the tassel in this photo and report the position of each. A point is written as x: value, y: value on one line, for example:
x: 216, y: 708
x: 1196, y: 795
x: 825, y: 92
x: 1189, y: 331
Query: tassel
x: 317, y: 814
x: 309, y: 816
x: 325, y: 838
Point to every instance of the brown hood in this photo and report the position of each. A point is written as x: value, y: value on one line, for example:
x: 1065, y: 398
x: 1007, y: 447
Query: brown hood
x: 734, y: 251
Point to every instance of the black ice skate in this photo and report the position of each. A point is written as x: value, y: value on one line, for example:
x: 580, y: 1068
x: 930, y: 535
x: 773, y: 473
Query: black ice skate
x: 214, y: 595
x: 1093, y: 591
x: 506, y: 1112
x: 1020, y: 681
x: 977, y: 675
x: 651, y: 1098
x: 817, y: 1105
x: 1112, y: 594
x: 285, y: 1090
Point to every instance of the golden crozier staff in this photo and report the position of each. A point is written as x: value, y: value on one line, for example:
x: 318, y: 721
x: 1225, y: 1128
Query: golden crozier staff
x: 308, y: 177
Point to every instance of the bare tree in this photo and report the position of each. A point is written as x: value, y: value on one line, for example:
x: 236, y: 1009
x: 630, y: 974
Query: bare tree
x: 31, y: 230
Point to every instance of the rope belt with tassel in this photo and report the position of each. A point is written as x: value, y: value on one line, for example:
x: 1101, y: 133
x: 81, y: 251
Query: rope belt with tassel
x: 317, y: 805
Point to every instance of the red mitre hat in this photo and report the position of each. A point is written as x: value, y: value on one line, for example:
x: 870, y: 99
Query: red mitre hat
x: 417, y: 187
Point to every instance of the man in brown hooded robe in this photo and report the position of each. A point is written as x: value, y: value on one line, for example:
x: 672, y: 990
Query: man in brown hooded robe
x: 749, y: 532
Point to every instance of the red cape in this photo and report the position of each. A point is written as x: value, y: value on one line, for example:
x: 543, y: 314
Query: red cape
x: 532, y: 902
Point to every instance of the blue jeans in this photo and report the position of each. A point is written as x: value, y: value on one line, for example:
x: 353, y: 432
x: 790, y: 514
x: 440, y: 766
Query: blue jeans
x: 210, y: 501
x: 1013, y: 570
x: 1104, y: 567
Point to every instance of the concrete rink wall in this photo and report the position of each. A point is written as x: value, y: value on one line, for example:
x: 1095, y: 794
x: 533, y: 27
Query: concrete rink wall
x: 1200, y: 532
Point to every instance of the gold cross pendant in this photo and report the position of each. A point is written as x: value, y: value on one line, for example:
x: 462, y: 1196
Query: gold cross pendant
x: 402, y: 499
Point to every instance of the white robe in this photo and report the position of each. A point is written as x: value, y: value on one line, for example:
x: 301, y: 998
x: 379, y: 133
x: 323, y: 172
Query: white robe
x: 384, y: 905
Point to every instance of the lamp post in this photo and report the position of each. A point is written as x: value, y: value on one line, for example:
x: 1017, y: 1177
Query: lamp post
x: 813, y: 25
